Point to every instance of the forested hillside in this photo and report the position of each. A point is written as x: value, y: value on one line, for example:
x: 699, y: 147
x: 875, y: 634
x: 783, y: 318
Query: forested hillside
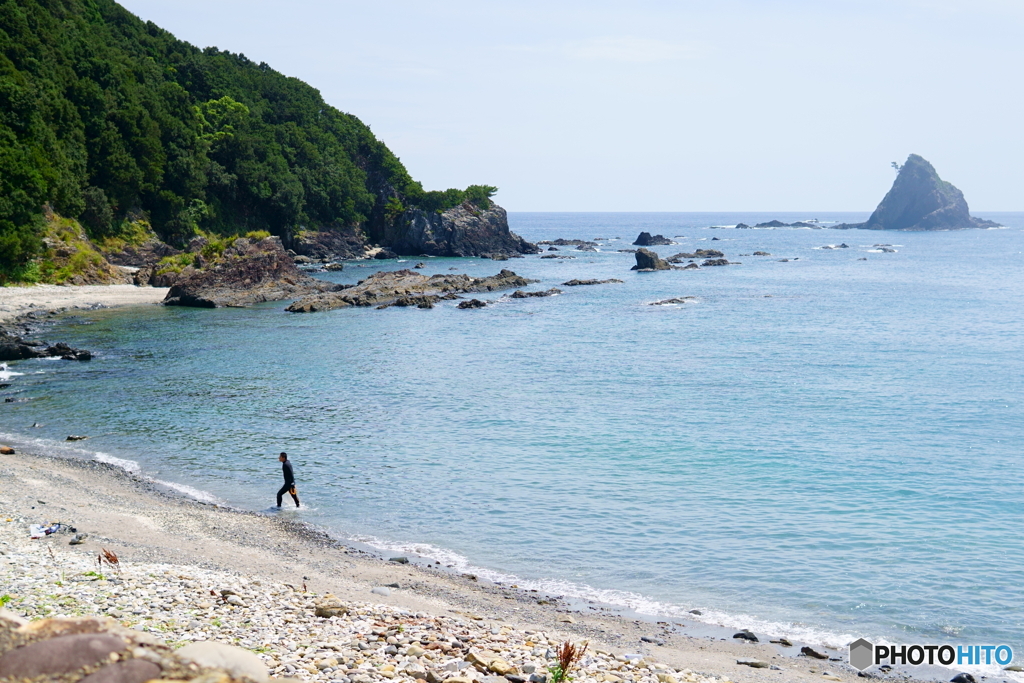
x: 110, y: 119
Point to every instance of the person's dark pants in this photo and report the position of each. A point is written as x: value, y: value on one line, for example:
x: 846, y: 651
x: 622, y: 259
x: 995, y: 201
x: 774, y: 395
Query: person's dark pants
x: 284, y: 490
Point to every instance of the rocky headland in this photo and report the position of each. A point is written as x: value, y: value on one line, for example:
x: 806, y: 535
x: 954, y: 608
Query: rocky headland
x: 406, y: 288
x: 920, y: 200
x: 248, y: 271
x: 465, y: 230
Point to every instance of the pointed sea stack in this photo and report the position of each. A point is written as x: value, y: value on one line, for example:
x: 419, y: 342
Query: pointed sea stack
x: 920, y: 200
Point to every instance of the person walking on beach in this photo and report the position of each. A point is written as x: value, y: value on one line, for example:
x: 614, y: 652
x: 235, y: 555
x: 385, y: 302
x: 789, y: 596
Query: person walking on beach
x: 289, y: 481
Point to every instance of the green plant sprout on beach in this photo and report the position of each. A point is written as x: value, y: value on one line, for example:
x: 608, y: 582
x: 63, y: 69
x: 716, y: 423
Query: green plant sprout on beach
x: 569, y: 656
x: 4, y: 599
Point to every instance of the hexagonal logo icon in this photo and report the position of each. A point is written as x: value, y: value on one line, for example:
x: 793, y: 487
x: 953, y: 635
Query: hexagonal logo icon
x: 861, y: 654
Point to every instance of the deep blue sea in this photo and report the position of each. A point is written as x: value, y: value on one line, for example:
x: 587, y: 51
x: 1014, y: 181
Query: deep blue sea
x: 825, y: 448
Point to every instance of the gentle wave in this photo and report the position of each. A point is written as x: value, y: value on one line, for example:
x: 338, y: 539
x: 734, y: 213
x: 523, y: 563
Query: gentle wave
x: 628, y: 600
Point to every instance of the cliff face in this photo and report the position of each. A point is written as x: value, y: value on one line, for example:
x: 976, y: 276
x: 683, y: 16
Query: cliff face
x: 465, y: 230
x: 920, y: 200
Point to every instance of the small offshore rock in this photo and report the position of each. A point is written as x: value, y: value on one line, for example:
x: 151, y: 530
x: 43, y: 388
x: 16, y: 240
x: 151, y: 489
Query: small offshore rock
x: 762, y: 253
x: 472, y: 303
x: 578, y: 283
x: 520, y: 294
x: 647, y: 261
x: 696, y: 611
x: 755, y: 663
x: 645, y: 239
x: 74, y: 437
x: 676, y: 300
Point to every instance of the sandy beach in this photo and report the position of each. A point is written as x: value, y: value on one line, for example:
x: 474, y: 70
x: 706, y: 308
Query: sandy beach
x: 16, y: 301
x: 174, y: 551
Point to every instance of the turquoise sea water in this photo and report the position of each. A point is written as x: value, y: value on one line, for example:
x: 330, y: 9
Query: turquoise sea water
x: 826, y: 448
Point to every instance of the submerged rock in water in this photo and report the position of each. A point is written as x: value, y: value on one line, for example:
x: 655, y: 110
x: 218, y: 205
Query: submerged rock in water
x: 388, y: 288
x: 246, y: 273
x: 920, y: 200
x: 520, y: 294
x: 676, y: 300
x: 472, y: 303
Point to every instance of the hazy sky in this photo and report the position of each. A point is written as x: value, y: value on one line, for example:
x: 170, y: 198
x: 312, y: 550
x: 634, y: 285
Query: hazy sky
x: 657, y: 106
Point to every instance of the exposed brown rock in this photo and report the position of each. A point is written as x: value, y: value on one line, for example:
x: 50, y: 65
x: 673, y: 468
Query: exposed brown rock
x: 246, y: 273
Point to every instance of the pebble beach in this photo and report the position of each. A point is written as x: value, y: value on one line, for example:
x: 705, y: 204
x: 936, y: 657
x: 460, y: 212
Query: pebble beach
x: 316, y: 609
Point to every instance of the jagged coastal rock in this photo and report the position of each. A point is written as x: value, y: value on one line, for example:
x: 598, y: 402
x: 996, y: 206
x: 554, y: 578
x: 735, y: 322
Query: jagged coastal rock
x: 466, y: 230
x: 387, y: 288
x: 647, y: 261
x: 340, y: 243
x: 920, y: 200
x: 645, y: 239
x: 248, y: 272
x: 16, y: 348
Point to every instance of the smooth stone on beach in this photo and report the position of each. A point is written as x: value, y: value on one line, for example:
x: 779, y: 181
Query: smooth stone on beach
x: 811, y: 652
x: 666, y: 678
x: 746, y: 635
x: 755, y: 663
x: 60, y: 655
x: 566, y: 619
x: 132, y: 671
x: 240, y: 663
x: 381, y: 590
x: 6, y: 450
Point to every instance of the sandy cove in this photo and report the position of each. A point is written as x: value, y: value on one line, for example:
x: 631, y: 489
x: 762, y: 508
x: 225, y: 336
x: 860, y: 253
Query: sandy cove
x: 16, y: 301
x: 174, y: 551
